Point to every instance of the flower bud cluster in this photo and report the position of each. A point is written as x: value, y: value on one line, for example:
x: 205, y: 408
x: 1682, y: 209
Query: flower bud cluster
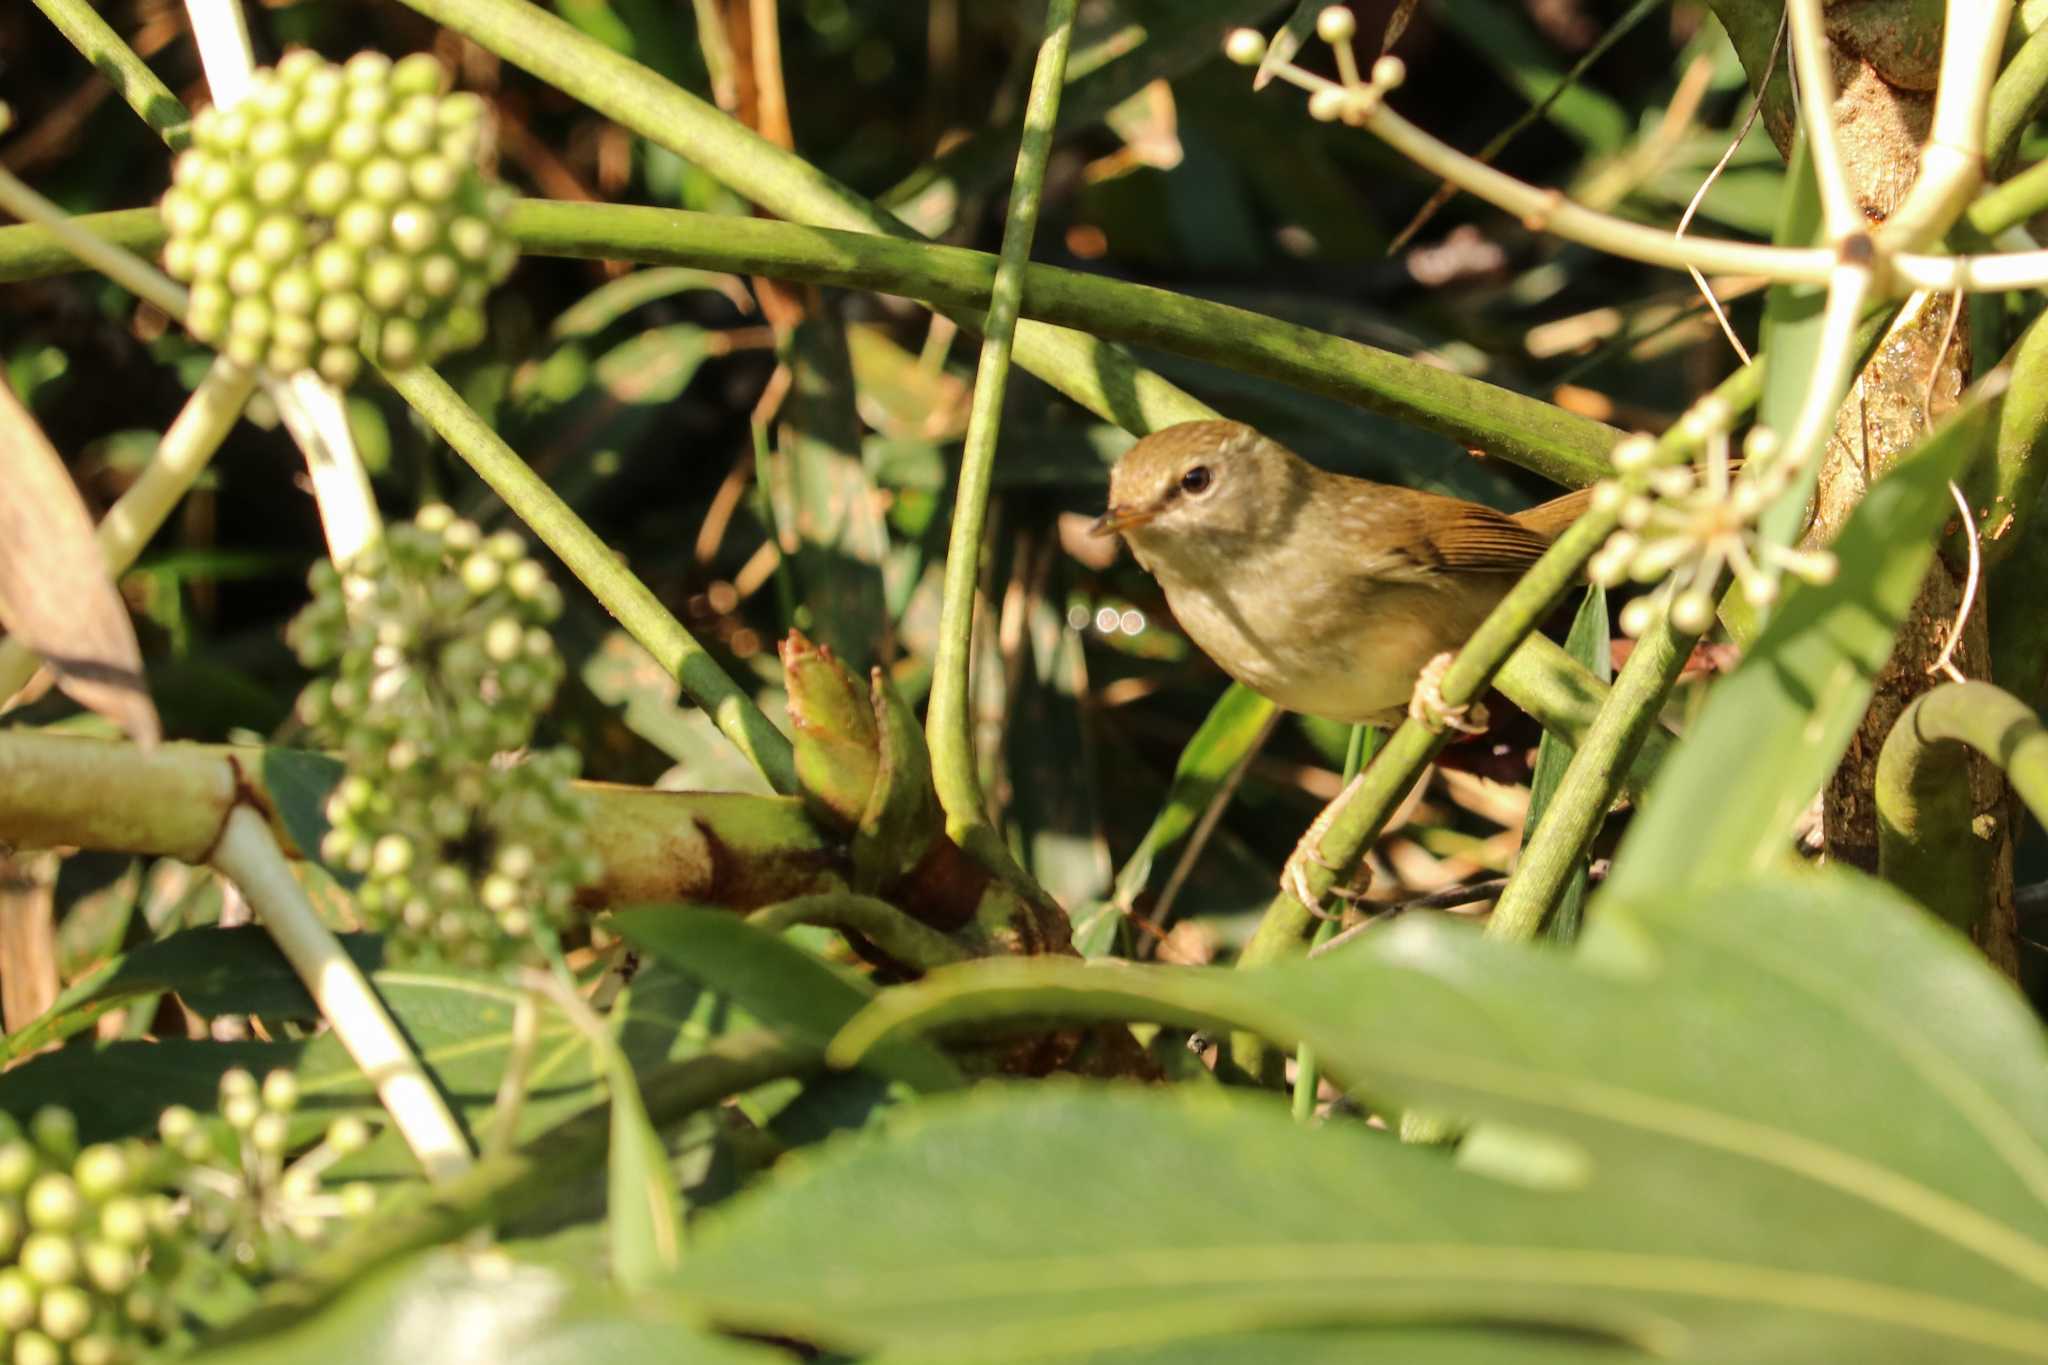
x: 443, y: 665
x: 1354, y: 97
x: 337, y: 211
x: 1682, y: 526
x: 88, y: 1244
x: 262, y: 1215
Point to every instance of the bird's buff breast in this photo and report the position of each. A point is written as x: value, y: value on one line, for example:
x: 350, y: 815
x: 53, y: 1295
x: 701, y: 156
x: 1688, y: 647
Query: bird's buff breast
x: 1340, y: 658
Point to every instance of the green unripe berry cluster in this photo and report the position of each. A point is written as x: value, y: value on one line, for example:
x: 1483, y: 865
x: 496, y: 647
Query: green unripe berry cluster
x: 263, y: 1216
x: 442, y: 664
x: 337, y: 211
x: 88, y: 1244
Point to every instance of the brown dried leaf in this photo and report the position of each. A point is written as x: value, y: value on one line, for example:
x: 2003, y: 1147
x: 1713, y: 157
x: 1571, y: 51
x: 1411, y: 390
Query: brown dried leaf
x: 56, y: 596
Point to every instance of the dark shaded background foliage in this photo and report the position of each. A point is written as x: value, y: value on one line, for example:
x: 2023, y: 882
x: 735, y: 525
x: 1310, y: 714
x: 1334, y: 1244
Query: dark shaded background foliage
x: 1263, y: 208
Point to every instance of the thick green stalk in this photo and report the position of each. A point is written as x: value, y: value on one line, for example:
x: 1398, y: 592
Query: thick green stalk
x: 129, y: 74
x: 1102, y: 378
x: 592, y: 561
x: 880, y: 923
x: 1921, y: 792
x: 1591, y: 782
x: 1511, y: 426
x: 1307, y: 1080
x: 948, y: 724
x: 2016, y: 97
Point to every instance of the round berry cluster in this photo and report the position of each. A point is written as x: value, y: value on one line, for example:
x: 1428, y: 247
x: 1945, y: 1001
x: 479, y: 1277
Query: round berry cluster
x: 88, y: 1244
x: 338, y: 210
x: 243, y: 1201
x: 443, y: 664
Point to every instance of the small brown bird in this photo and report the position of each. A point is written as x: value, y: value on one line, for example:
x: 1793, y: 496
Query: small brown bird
x: 1326, y: 593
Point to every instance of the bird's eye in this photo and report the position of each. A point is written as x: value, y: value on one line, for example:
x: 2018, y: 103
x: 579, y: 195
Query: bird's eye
x: 1196, y: 480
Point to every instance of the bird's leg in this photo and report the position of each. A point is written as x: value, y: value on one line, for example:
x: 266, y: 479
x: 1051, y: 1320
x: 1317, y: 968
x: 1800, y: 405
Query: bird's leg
x: 1308, y: 849
x: 1427, y: 707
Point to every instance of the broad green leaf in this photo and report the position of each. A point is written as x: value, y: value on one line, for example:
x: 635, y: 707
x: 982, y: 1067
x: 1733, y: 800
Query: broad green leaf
x: 214, y: 971
x: 773, y: 980
x: 1800, y: 1122
x: 646, y: 1210
x: 1722, y: 806
x: 485, y: 1308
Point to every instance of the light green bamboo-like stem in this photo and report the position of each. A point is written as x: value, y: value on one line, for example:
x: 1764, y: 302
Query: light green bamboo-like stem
x: 1591, y: 781
x: 880, y: 923
x: 2015, y: 99
x: 1511, y: 426
x: 1952, y: 159
x: 949, y: 726
x: 188, y: 444
x: 130, y: 76
x: 248, y: 856
x: 614, y: 585
x: 1307, y: 1074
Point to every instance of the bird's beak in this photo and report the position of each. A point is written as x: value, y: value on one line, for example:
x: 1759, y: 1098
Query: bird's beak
x: 1118, y: 519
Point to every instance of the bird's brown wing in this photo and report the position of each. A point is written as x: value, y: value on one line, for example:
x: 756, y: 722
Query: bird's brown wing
x: 1478, y: 540
x: 1551, y: 519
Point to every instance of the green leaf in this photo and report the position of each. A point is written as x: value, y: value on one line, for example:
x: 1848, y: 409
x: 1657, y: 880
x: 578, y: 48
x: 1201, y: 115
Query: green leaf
x: 645, y: 1207
x: 773, y: 980
x: 1722, y: 806
x: 299, y: 782
x: 214, y: 971
x: 480, y: 1306
x: 1710, y: 1188
x: 462, y: 1027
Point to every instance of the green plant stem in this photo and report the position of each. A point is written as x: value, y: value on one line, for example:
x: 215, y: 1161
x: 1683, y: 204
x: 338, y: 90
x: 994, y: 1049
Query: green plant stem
x: 880, y: 923
x: 2011, y: 203
x: 614, y: 585
x: 1921, y: 792
x: 1591, y: 782
x: 1514, y: 427
x: 248, y: 855
x: 501, y: 1188
x: 1100, y: 377
x: 1306, y: 1080
x: 130, y: 76
x: 187, y: 445
x: 949, y: 725
x: 2016, y: 97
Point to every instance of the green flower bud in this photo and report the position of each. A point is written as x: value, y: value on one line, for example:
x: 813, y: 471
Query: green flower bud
x: 267, y: 1135
x: 367, y: 69
x: 210, y: 261
x: 340, y: 319
x: 407, y: 136
x: 398, y: 344
x: 336, y: 266
x: 383, y: 180
x: 339, y: 365
x: 55, y: 1131
x: 368, y: 103
x: 354, y: 141
x: 98, y: 1348
x: 53, y: 1204
x: 101, y: 1171
x: 34, y: 1348
x: 270, y: 141
x: 278, y: 238
x: 124, y: 1222
x: 347, y: 1136
x: 250, y: 317
x: 49, y: 1258
x: 327, y: 187
x: 66, y: 1312
x: 362, y: 225
x: 388, y: 282
x: 293, y: 292
x: 314, y: 120
x: 18, y: 1299
x: 248, y: 276
x: 109, y: 1267
x: 185, y: 214
x: 417, y: 74
x: 274, y: 183
x: 439, y: 278
x: 414, y: 228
